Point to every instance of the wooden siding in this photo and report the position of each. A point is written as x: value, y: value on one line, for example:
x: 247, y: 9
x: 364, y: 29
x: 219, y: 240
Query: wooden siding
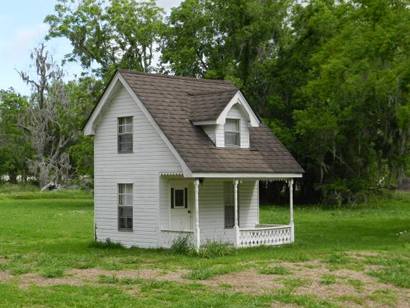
x: 150, y: 157
x: 210, y: 131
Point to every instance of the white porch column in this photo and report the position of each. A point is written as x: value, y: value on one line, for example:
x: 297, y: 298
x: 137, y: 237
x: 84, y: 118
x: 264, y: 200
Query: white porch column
x: 236, y: 216
x: 291, y: 223
x: 197, y: 231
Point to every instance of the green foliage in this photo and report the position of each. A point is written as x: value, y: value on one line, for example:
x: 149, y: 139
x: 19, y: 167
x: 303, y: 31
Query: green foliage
x: 213, y: 249
x: 350, y: 135
x: 112, y: 34
x: 274, y: 270
x: 182, y: 245
x: 15, y: 150
x: 328, y: 279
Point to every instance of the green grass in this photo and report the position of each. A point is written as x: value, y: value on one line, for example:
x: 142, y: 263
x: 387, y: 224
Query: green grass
x: 50, y: 233
x: 274, y: 270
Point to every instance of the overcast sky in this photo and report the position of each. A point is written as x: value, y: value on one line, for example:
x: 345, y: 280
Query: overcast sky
x: 22, y: 29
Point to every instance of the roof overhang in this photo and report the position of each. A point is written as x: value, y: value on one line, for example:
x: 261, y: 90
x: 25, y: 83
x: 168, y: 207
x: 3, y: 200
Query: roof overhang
x: 228, y: 175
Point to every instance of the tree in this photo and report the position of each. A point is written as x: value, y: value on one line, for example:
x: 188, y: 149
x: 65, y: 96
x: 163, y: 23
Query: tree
x: 109, y: 34
x: 353, y: 132
x: 14, y: 147
x: 50, y: 120
x: 82, y: 94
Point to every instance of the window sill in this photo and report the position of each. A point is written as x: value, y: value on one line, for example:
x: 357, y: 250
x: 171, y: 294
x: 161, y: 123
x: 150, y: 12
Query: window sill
x: 126, y: 230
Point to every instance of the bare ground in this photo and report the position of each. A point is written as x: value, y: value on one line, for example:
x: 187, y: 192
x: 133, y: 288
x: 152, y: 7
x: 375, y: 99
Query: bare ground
x: 308, y: 275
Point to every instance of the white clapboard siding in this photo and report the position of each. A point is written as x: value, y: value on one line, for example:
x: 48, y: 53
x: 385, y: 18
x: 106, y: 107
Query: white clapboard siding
x: 210, y: 131
x: 151, y: 156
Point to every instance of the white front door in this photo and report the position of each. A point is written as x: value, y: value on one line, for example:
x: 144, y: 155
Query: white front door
x: 180, y: 208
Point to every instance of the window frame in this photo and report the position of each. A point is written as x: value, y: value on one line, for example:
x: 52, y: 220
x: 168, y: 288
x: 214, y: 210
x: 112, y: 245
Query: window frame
x: 184, y: 198
x: 125, y: 129
x: 236, y: 132
x: 232, y: 205
x: 129, y: 205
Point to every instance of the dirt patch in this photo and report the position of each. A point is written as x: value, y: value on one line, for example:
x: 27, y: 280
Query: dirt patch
x: 5, y: 276
x: 3, y: 260
x: 78, y: 277
x: 93, y: 274
x: 29, y: 279
x: 341, y: 287
x: 248, y: 281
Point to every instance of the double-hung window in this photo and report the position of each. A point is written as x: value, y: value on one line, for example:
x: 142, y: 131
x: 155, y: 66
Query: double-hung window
x: 232, y: 133
x: 125, y: 135
x: 125, y: 221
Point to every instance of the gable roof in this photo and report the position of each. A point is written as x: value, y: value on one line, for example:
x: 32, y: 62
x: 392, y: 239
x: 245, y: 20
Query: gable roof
x: 175, y: 102
x: 208, y: 106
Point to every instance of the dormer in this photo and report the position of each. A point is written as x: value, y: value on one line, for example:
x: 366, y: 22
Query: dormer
x: 225, y: 117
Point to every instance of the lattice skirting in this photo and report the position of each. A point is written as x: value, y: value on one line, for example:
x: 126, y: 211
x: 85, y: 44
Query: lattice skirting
x: 265, y: 236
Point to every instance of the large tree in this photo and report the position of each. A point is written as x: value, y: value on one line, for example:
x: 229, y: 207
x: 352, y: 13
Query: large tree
x: 15, y: 150
x: 52, y: 119
x: 353, y: 133
x: 106, y: 35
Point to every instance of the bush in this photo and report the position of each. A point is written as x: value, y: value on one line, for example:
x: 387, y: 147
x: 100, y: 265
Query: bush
x: 108, y: 244
x: 182, y: 246
x: 214, y: 249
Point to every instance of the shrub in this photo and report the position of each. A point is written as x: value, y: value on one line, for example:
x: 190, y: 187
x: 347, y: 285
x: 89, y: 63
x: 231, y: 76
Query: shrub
x: 108, y: 244
x: 214, y: 249
x: 182, y: 246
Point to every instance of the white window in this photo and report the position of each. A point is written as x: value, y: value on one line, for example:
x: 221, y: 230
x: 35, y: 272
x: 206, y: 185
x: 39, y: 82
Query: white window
x: 125, y: 135
x: 125, y: 215
x: 232, y: 133
x: 179, y: 198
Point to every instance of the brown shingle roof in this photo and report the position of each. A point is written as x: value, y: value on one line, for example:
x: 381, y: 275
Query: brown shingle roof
x: 175, y: 101
x: 208, y: 106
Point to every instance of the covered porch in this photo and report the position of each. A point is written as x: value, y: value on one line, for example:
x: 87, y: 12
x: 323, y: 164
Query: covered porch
x: 206, y: 200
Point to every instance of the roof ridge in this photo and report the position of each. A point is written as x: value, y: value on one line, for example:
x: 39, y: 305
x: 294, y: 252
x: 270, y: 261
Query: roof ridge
x: 200, y: 93
x: 223, y: 81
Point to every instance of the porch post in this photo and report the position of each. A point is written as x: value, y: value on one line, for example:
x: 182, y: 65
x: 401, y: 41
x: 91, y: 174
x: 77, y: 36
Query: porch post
x: 291, y: 223
x: 236, y: 225
x: 197, y: 231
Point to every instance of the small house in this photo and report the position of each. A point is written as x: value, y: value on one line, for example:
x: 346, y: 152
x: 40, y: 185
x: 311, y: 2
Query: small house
x: 178, y: 156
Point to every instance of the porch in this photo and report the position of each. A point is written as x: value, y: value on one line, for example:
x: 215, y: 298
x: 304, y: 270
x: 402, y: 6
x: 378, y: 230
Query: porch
x: 210, y: 216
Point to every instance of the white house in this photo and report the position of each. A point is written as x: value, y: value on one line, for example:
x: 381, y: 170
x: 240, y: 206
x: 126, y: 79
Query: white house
x: 177, y: 156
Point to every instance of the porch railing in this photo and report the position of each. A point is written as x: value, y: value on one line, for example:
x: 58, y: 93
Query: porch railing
x: 265, y: 235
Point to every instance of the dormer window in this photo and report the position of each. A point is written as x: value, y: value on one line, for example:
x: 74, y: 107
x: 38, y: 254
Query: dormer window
x: 232, y: 133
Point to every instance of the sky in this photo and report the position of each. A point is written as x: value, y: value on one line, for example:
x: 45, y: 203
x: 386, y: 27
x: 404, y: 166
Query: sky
x: 22, y: 29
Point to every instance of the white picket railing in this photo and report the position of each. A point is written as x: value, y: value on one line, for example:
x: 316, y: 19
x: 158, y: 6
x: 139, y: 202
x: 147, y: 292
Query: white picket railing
x: 265, y: 235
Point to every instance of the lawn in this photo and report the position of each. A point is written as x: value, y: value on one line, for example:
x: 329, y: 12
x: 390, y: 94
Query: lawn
x: 342, y: 257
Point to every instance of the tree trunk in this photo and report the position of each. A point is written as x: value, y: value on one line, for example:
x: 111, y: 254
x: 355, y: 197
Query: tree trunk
x: 13, y: 177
